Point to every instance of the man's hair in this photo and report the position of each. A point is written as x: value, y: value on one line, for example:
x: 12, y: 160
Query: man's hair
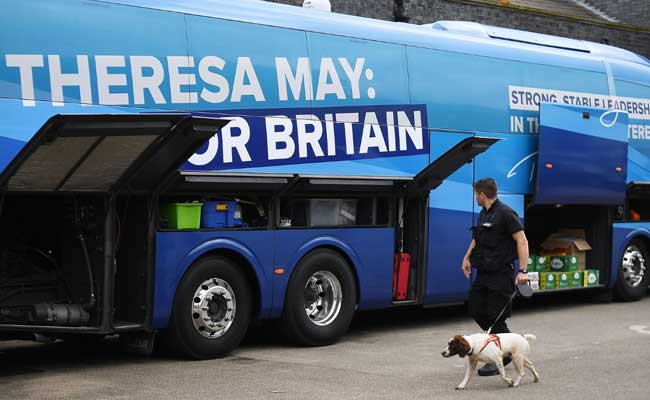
x: 488, y: 186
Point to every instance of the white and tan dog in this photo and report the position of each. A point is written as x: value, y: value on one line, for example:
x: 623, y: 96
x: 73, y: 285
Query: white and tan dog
x: 481, y: 347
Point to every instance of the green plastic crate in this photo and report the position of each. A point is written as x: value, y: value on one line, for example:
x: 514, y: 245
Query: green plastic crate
x: 183, y: 215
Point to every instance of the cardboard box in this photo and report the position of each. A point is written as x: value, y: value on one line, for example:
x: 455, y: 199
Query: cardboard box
x: 577, y: 279
x: 547, y: 280
x: 558, y: 263
x: 541, y: 264
x: 591, y: 277
x: 569, y: 242
x: 563, y: 280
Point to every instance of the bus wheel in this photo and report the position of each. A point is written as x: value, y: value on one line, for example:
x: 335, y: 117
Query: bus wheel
x: 321, y: 298
x: 633, y: 273
x: 212, y: 309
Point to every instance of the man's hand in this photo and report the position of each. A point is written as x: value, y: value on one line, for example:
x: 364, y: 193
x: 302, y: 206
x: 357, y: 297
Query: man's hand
x: 522, y: 278
x: 467, y: 269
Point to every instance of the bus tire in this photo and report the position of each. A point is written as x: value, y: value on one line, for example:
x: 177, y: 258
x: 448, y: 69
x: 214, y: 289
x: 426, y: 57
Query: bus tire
x: 321, y: 299
x: 633, y: 272
x: 211, y: 311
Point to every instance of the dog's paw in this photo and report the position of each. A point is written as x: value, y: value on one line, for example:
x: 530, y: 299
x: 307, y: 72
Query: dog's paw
x: 459, y: 387
x: 536, y: 380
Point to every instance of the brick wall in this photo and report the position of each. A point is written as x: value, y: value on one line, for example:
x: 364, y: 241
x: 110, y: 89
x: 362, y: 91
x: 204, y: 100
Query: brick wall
x: 489, y: 12
x: 634, y: 12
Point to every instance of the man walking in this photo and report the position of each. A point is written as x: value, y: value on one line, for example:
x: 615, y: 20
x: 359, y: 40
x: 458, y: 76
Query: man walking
x: 498, y: 240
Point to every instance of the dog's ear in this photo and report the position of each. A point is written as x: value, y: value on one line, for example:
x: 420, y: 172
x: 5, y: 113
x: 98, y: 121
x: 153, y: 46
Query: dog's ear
x: 463, y: 346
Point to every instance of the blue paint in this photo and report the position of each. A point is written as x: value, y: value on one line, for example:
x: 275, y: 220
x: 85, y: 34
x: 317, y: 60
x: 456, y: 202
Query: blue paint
x: 623, y: 233
x: 268, y: 250
x: 282, y: 140
x: 176, y: 251
x: 462, y: 83
x: 577, y: 175
x: 449, y: 238
x: 370, y: 251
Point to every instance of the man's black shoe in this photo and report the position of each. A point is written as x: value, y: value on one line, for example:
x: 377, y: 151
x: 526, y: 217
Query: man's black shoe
x: 488, y: 369
x: 491, y: 369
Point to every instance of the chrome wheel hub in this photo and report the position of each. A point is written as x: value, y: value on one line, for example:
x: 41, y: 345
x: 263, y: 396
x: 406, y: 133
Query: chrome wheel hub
x: 323, y: 297
x: 633, y: 265
x: 213, y: 308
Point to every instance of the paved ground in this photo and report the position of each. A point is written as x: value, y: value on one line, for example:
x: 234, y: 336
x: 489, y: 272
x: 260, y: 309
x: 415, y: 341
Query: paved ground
x: 585, y: 350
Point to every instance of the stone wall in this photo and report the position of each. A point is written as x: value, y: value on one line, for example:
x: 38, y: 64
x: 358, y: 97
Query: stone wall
x: 490, y: 12
x: 633, y: 12
x: 426, y: 11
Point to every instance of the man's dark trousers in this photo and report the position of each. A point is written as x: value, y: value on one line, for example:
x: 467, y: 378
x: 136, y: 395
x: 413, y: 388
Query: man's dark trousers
x: 487, y: 298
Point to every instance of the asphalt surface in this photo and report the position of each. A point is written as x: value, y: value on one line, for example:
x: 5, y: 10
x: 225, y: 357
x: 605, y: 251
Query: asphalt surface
x: 584, y: 350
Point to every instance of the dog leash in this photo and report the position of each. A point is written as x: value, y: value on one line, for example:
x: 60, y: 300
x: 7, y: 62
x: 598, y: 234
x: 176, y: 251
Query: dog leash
x: 520, y: 288
x: 512, y: 296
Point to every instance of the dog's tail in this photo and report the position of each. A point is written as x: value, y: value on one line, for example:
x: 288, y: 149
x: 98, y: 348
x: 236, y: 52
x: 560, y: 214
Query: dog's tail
x: 530, y: 338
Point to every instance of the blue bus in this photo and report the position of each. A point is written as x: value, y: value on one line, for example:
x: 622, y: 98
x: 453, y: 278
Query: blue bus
x: 179, y: 169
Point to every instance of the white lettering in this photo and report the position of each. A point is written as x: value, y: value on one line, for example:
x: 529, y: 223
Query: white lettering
x: 311, y: 137
x: 328, y: 73
x: 390, y: 122
x: 58, y: 80
x: 214, y: 79
x: 245, y: 70
x: 354, y: 75
x: 209, y: 154
x: 238, y: 142
x: 151, y: 83
x: 371, y: 125
x: 26, y: 63
x: 105, y: 80
x: 331, y: 138
x: 414, y: 131
x: 176, y: 79
x: 302, y: 78
x: 348, y: 119
x: 274, y: 136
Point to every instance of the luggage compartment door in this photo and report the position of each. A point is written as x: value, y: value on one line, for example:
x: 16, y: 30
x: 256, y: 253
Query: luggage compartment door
x: 582, y: 155
x: 99, y: 153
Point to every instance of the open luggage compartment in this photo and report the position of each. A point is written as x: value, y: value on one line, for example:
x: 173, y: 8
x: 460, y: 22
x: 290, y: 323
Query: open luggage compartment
x: 77, y: 242
x: 595, y: 221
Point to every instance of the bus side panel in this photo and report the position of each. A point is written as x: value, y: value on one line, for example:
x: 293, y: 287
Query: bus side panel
x: 622, y: 234
x: 237, y: 65
x: 512, y: 162
x: 481, y: 93
x: 370, y: 251
x: 450, y: 219
x: 108, y: 29
x: 375, y: 73
x: 638, y: 169
x: 176, y: 251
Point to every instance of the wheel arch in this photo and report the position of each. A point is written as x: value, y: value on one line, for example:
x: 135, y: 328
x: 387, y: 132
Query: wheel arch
x: 639, y: 233
x: 336, y: 245
x: 230, y: 249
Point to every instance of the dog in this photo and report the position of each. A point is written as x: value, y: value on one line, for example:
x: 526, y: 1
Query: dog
x: 481, y: 347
